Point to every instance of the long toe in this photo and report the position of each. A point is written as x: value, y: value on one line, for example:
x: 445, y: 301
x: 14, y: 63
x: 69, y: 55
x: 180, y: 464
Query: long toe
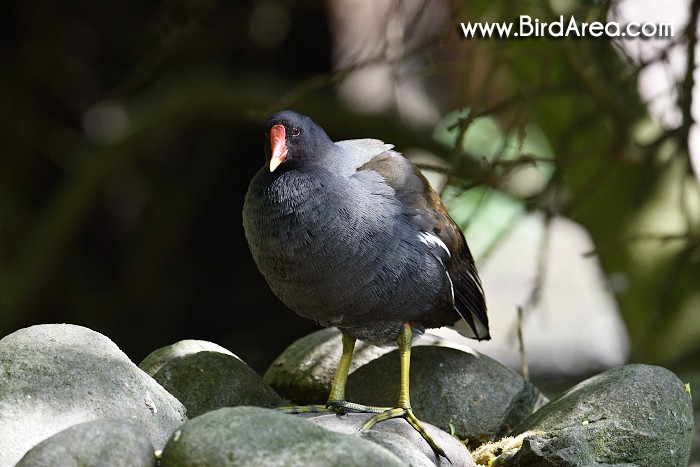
x: 293, y: 409
x: 343, y: 406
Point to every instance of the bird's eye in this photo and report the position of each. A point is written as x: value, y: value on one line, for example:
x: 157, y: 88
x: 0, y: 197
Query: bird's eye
x: 296, y: 131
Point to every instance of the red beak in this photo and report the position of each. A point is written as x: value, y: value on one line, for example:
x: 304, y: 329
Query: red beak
x: 279, y: 146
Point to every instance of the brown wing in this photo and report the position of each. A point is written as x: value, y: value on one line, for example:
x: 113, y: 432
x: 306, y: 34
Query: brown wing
x: 426, y: 211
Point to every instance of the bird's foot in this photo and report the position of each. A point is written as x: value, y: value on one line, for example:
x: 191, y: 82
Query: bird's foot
x: 407, y: 414
x: 293, y: 409
x: 336, y: 406
x: 343, y: 407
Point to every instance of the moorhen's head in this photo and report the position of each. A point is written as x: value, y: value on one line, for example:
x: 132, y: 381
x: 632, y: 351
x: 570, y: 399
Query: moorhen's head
x: 295, y: 140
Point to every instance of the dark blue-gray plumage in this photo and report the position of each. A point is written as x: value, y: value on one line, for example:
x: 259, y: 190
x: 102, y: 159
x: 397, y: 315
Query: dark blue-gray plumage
x: 350, y: 234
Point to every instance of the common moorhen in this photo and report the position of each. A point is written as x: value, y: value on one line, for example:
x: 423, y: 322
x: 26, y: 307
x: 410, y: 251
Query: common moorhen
x: 351, y: 234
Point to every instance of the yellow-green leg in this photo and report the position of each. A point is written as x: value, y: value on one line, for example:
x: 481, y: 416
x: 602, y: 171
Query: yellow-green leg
x: 403, y: 406
x: 341, y: 373
x: 336, y: 400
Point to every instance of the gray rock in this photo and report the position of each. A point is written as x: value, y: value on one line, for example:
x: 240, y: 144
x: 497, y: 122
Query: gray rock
x: 55, y: 376
x: 304, y: 372
x: 695, y: 445
x: 205, y: 381
x: 100, y: 442
x: 635, y: 414
x: 246, y: 436
x: 476, y: 396
x: 408, y: 453
x: 401, y: 439
x: 156, y: 359
x: 613, y: 465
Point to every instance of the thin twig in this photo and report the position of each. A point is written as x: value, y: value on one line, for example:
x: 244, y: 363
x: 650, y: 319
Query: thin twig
x: 685, y: 95
x: 521, y: 346
x: 688, y: 237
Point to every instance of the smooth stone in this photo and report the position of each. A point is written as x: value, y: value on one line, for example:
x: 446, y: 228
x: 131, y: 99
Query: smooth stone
x: 100, y: 442
x: 246, y: 436
x: 207, y: 380
x: 408, y: 453
x: 54, y: 376
x: 461, y: 390
x: 634, y: 414
x: 159, y: 357
x: 400, y: 438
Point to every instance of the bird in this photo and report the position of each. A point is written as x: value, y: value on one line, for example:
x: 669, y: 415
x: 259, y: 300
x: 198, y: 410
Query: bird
x: 351, y: 234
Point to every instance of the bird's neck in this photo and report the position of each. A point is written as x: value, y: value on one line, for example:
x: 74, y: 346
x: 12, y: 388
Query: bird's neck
x: 298, y: 186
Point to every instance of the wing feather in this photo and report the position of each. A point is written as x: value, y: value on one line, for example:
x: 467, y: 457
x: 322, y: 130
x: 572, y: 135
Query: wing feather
x: 426, y: 212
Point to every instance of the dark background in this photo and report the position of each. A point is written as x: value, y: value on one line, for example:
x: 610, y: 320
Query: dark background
x: 141, y: 239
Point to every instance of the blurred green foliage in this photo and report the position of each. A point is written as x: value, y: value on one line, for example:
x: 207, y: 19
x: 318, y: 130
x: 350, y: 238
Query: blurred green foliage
x: 607, y: 174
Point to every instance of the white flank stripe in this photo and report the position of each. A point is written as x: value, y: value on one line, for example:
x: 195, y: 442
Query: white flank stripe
x: 431, y: 239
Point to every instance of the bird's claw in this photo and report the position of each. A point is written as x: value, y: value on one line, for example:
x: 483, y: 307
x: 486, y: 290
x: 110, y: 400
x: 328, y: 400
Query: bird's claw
x: 407, y: 414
